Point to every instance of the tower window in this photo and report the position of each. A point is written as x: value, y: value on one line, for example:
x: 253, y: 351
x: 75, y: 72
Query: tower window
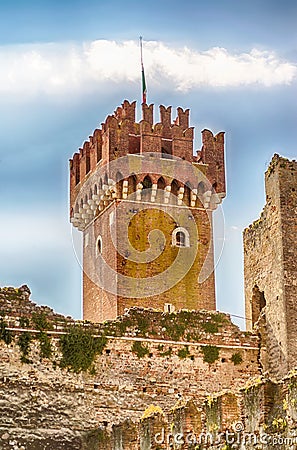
x: 168, y: 307
x: 180, y: 237
x: 99, y: 246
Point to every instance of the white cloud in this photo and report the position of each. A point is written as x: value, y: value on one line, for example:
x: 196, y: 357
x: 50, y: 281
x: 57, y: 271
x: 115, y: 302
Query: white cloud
x: 69, y: 68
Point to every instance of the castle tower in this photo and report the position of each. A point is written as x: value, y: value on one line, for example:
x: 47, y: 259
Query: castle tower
x: 144, y: 204
x: 270, y: 268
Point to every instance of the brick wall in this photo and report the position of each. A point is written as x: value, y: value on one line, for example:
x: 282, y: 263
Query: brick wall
x: 94, y: 408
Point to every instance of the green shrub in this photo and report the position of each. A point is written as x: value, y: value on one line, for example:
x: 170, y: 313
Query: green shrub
x: 40, y: 321
x: 143, y: 324
x: 210, y: 327
x: 236, y: 358
x: 139, y: 349
x: 79, y: 348
x: 184, y: 352
x: 24, y: 341
x: 210, y: 353
x: 5, y: 335
x: 45, y: 345
x: 24, y: 322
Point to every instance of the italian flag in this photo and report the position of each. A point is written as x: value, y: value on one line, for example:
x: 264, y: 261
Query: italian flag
x: 142, y: 73
x: 143, y: 85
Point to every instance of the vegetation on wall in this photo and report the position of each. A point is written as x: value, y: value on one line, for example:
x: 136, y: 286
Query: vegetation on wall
x: 210, y: 353
x: 181, y: 325
x: 139, y: 349
x: 5, y: 335
x: 24, y: 322
x: 45, y: 345
x: 184, y: 352
x: 40, y: 321
x: 24, y: 341
x: 80, y: 347
x: 163, y: 352
x: 236, y: 358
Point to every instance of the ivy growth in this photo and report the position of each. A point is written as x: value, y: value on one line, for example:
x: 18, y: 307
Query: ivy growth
x: 45, y: 345
x: 5, y: 335
x: 210, y: 327
x: 184, y: 352
x: 236, y: 358
x: 40, y: 321
x: 139, y: 349
x: 24, y: 341
x: 24, y: 322
x: 210, y: 353
x: 79, y: 348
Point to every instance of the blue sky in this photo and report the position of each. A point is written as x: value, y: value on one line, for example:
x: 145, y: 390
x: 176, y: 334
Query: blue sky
x: 64, y: 66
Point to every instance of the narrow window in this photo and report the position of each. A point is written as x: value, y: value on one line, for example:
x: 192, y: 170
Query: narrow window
x: 180, y: 237
x: 99, y: 246
x: 147, y: 188
x: 88, y: 162
x: 174, y: 192
x: 168, y: 307
x: 77, y: 174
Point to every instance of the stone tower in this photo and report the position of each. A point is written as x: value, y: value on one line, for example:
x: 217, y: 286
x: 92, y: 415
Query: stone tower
x: 144, y: 204
x: 270, y: 267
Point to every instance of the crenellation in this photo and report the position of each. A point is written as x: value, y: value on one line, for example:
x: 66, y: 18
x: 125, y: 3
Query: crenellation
x: 165, y: 117
x: 129, y: 110
x: 148, y: 113
x: 212, y: 154
x: 111, y: 141
x: 182, y: 119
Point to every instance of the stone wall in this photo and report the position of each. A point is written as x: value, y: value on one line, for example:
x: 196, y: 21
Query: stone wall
x: 270, y: 268
x: 149, y: 358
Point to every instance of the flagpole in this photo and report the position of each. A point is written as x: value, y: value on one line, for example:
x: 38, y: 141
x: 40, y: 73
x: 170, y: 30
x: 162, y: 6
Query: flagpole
x: 141, y: 59
x: 142, y: 73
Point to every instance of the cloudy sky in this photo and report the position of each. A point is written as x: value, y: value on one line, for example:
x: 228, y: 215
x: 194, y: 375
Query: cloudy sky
x: 65, y: 65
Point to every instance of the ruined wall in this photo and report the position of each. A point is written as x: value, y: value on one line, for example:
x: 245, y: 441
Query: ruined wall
x: 270, y: 267
x: 260, y: 416
x: 149, y: 357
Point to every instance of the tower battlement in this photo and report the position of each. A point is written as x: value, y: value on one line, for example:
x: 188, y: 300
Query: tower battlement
x: 120, y: 135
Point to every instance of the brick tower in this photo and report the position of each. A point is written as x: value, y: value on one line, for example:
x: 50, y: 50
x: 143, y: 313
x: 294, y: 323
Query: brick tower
x: 144, y: 204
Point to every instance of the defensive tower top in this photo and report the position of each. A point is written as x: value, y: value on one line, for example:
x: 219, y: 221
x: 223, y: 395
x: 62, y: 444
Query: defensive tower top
x: 121, y: 135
